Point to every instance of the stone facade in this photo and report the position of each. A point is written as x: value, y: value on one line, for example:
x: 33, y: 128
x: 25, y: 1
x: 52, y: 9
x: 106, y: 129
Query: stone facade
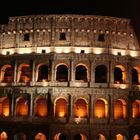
x: 71, y: 62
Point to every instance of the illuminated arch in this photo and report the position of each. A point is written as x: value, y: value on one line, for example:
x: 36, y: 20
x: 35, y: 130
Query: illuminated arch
x: 102, y: 137
x: 136, y: 137
x: 42, y: 72
x: 81, y: 72
x: 101, y: 108
x: 41, y: 107
x: 7, y: 74
x: 60, y: 108
x: 119, y: 74
x: 24, y: 73
x: 62, y: 72
x: 136, y: 109
x: 119, y: 137
x: 101, y: 74
x: 22, y: 107
x: 3, y: 136
x: 80, y: 108
x: 40, y: 136
x: 4, y: 107
x: 59, y: 136
x: 136, y: 75
x: 120, y: 109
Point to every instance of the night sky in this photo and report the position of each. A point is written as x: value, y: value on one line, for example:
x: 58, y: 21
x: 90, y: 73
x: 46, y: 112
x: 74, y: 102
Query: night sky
x: 118, y: 8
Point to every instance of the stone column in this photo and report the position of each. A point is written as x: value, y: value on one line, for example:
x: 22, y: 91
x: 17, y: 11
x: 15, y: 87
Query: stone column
x: 33, y: 72
x: 70, y: 108
x: 31, y: 104
x: 15, y: 72
x: 111, y: 73
x: 72, y: 72
x: 90, y: 117
x: 52, y: 71
x: 12, y: 105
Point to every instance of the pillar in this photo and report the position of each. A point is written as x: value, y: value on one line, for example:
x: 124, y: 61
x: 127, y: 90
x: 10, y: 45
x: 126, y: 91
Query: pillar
x: 15, y: 72
x: 33, y: 72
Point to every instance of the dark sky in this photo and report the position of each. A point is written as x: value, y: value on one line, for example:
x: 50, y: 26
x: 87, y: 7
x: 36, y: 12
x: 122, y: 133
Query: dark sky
x: 118, y: 8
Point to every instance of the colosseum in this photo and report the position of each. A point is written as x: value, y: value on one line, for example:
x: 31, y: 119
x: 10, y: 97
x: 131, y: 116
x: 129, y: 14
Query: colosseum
x: 69, y: 77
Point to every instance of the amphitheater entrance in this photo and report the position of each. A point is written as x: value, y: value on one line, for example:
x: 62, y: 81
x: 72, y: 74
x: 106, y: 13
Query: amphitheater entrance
x: 20, y: 136
x: 40, y: 136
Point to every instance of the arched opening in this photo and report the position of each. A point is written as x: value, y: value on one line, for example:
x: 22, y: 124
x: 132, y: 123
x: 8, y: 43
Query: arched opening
x: 60, y: 108
x: 7, y: 74
x: 80, y: 108
x: 40, y: 136
x: 62, y: 73
x: 41, y: 108
x: 81, y: 73
x: 120, y: 109
x: 135, y: 76
x: 101, y: 74
x: 59, y: 136
x: 101, y: 108
x: 136, y: 137
x: 3, y: 136
x: 43, y: 73
x: 136, y: 109
x: 20, y: 136
x: 22, y: 107
x: 119, y: 74
x: 24, y: 73
x: 119, y: 137
x: 102, y: 137
x: 4, y: 107
x: 80, y: 137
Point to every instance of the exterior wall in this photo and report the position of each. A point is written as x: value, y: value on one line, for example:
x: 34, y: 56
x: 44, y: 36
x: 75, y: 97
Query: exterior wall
x: 81, y: 46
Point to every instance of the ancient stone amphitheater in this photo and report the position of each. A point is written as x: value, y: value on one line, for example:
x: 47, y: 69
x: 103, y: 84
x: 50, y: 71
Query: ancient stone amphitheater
x: 69, y: 77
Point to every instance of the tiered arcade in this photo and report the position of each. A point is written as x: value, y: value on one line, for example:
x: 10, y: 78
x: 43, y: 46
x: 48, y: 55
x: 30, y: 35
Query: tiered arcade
x: 69, y: 77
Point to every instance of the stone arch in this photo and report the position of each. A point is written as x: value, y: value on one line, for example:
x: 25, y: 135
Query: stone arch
x: 119, y: 74
x: 7, y: 74
x: 42, y: 73
x: 80, y: 108
x: 22, y: 107
x: 136, y: 75
x: 24, y: 73
x: 62, y: 72
x: 41, y: 107
x: 120, y: 109
x: 101, y: 74
x: 59, y: 136
x: 20, y: 136
x: 101, y: 108
x: 40, y: 136
x: 136, y: 137
x: 80, y: 137
x: 60, y: 107
x: 81, y: 72
x: 3, y: 136
x: 4, y: 107
x: 136, y: 109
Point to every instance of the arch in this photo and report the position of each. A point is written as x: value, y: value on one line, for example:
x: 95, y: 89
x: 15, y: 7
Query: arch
x: 80, y: 137
x: 20, y: 136
x: 62, y: 73
x: 136, y: 137
x: 120, y: 109
x: 22, y: 107
x: 136, y: 109
x: 41, y: 107
x: 102, y: 137
x: 60, y: 108
x: 42, y: 73
x: 80, y: 108
x: 24, y: 73
x: 59, y: 136
x: 136, y: 75
x: 119, y: 74
x: 4, y: 107
x: 119, y: 137
x: 7, y: 74
x: 3, y: 136
x: 81, y: 72
x: 40, y: 136
x: 101, y: 74
x: 101, y: 108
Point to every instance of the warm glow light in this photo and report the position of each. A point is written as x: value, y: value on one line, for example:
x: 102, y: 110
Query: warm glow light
x: 3, y: 136
x: 40, y: 136
x: 98, y: 51
x: 134, y: 53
